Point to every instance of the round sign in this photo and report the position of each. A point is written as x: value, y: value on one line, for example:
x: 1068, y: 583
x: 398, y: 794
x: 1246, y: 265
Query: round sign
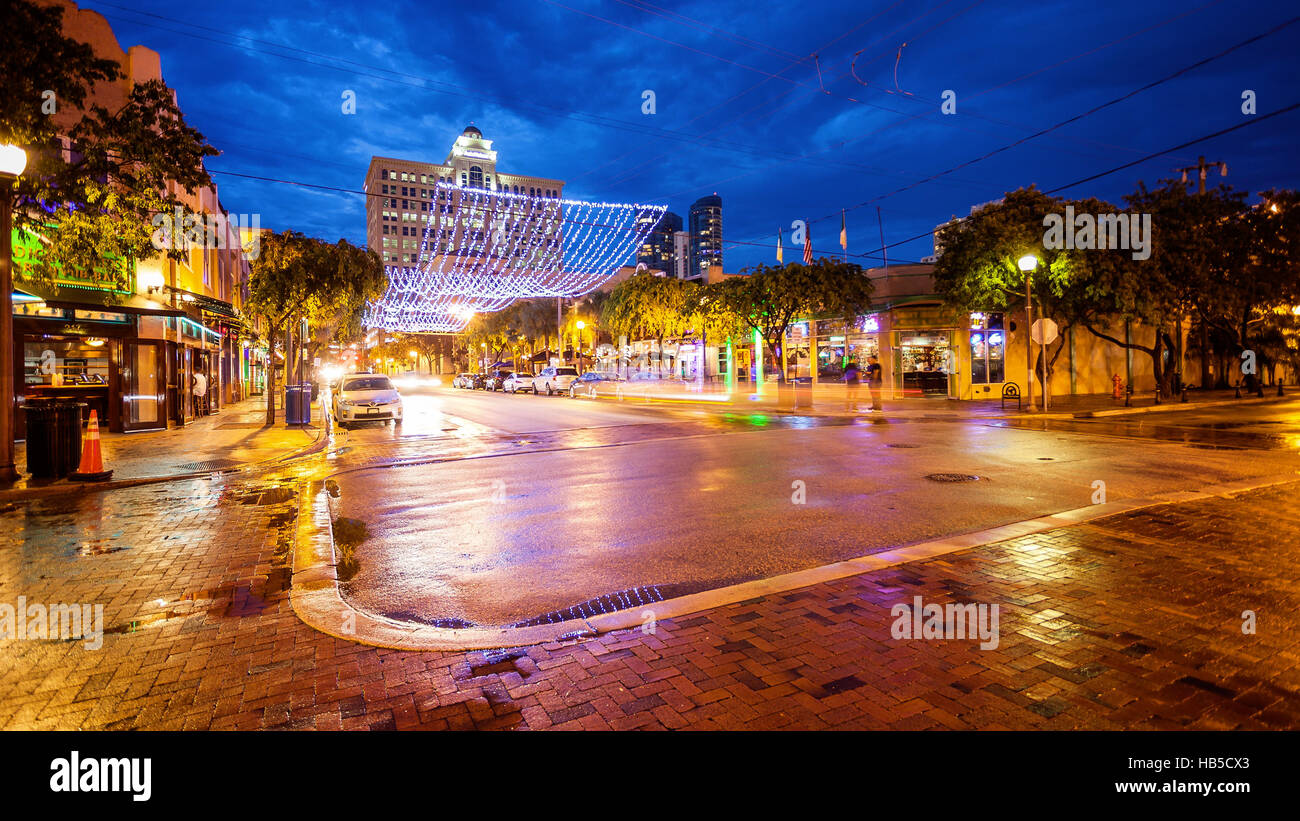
x: 1044, y: 331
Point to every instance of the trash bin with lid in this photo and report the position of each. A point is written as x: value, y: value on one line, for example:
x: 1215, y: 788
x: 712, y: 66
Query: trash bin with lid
x: 67, y: 436
x: 40, y: 420
x: 297, y: 404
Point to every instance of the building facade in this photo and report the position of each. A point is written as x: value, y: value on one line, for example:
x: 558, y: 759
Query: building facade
x: 402, y: 197
x: 659, y: 251
x: 129, y: 340
x: 705, y: 236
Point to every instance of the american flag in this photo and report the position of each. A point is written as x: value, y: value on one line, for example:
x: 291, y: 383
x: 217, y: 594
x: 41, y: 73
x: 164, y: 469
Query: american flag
x: 807, y: 246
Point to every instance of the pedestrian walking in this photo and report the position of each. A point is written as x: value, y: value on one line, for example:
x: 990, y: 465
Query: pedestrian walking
x: 200, y: 394
x: 852, y: 382
x: 875, y: 378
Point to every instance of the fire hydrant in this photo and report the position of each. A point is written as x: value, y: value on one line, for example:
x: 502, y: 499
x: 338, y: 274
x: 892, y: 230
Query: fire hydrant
x: 1118, y: 393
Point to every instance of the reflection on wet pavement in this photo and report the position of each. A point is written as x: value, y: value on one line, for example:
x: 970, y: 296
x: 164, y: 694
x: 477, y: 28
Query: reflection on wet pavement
x: 1218, y: 435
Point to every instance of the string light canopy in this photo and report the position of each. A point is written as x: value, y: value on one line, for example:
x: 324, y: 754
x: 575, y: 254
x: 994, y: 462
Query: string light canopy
x: 484, y: 249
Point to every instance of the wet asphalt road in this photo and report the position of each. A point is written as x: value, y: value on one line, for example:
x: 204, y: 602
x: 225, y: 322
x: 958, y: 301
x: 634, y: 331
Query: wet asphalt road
x: 615, y: 497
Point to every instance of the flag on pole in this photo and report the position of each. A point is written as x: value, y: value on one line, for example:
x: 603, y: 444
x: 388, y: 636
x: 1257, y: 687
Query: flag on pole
x: 844, y: 236
x: 778, y: 246
x: 807, y: 246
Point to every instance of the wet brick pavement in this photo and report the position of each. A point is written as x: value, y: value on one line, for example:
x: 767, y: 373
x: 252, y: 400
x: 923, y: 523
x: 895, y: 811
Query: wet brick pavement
x: 1128, y: 622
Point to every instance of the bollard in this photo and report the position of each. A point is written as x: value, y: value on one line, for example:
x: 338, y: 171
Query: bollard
x: 1238, y: 396
x: 1279, y: 387
x: 1184, y: 399
x: 1128, y: 395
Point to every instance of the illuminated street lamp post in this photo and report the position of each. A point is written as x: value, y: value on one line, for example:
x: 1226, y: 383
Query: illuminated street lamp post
x: 577, y: 344
x: 12, y: 162
x: 1027, y: 264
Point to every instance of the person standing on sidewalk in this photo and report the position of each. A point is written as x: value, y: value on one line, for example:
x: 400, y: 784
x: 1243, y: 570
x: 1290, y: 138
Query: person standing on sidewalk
x: 200, y: 394
x: 875, y: 377
x: 852, y: 381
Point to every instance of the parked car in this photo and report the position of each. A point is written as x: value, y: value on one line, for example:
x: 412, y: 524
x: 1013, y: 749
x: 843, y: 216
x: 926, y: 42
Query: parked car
x: 516, y: 382
x: 595, y: 383
x: 463, y: 380
x: 477, y: 381
x: 554, y: 379
x: 496, y: 379
x: 366, y: 397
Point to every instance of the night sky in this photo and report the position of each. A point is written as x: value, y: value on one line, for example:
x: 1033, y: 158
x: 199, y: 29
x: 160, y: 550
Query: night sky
x: 738, y: 101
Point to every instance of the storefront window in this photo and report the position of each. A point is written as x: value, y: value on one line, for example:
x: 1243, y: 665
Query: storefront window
x: 797, y: 357
x: 56, y: 362
x: 987, y: 348
x: 925, y: 361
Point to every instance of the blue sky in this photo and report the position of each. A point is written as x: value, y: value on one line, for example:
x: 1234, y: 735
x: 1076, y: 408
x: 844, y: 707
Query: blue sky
x: 741, y: 108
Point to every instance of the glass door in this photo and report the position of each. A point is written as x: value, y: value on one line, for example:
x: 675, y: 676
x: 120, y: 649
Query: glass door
x: 144, y: 386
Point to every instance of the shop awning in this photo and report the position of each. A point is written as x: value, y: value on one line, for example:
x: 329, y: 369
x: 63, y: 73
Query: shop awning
x: 60, y: 296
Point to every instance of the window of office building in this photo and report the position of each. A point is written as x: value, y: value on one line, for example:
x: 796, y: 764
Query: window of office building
x: 988, y: 348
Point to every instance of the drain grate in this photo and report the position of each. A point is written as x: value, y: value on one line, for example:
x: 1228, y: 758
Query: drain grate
x: 608, y: 603
x: 953, y: 477
x: 211, y: 464
x: 902, y: 445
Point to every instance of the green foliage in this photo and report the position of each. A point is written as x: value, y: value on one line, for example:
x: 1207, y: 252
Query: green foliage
x: 770, y: 298
x: 124, y: 166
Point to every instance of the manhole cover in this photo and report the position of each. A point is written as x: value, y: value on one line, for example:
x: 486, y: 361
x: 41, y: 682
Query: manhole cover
x: 211, y: 464
x: 952, y: 477
x: 902, y: 445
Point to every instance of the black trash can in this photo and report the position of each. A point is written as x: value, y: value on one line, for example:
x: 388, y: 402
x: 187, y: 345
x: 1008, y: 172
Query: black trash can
x: 67, y: 436
x: 39, y: 415
x: 297, y: 404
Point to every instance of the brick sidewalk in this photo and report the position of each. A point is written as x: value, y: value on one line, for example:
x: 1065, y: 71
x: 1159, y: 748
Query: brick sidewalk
x: 236, y: 436
x: 1129, y: 622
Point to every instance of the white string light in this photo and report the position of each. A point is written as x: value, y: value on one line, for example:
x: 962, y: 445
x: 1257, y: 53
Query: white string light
x: 493, y: 247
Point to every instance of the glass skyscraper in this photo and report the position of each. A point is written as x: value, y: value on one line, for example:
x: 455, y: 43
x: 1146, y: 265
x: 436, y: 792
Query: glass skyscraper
x: 706, y: 236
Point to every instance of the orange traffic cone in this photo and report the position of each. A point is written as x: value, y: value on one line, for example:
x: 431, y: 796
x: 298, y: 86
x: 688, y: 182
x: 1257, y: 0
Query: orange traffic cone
x: 92, y: 461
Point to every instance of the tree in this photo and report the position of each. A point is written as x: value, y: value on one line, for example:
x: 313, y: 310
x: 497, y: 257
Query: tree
x: 122, y: 167
x: 648, y: 306
x: 347, y: 278
x: 769, y: 299
x: 297, y: 276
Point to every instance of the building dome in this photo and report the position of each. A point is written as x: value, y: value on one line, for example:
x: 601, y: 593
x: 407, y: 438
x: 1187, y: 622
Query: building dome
x: 471, y: 131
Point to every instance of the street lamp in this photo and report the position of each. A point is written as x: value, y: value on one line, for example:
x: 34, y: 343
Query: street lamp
x: 577, y: 343
x: 1028, y: 263
x: 13, y: 160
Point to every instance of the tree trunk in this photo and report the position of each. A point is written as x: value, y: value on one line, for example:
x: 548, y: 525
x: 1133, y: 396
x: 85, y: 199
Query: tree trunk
x: 1205, y: 353
x: 270, y: 377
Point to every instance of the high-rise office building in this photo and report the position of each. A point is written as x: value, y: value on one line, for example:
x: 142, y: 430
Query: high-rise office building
x: 404, y: 195
x: 706, y: 236
x: 681, y: 254
x: 658, y: 250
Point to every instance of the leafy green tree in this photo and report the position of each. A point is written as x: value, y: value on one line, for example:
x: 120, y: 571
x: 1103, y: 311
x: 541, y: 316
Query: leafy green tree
x: 124, y: 166
x: 297, y: 276
x: 769, y: 299
x: 649, y: 307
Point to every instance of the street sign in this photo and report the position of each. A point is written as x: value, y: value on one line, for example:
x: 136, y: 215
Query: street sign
x: 1044, y: 331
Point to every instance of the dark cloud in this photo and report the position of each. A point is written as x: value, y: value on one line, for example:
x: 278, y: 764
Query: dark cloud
x: 739, y: 102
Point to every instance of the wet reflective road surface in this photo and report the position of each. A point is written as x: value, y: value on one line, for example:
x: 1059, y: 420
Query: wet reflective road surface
x: 1252, y: 427
x: 525, y: 505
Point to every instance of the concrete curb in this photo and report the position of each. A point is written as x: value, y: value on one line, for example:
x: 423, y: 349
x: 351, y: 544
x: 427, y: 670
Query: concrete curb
x: 316, y: 599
